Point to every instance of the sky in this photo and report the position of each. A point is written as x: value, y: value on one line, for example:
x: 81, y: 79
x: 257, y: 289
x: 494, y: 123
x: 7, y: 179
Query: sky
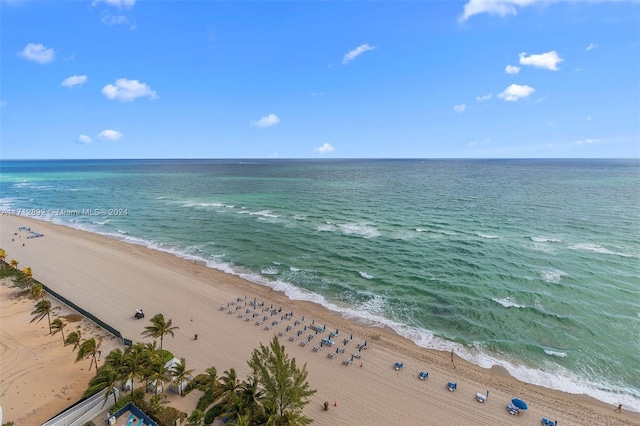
x: 319, y: 79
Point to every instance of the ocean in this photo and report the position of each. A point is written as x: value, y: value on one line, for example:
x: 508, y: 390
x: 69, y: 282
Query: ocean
x: 533, y: 265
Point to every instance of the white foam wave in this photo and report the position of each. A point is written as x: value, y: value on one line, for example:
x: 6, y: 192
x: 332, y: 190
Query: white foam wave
x: 555, y: 353
x: 6, y: 202
x: 545, y: 240
x: 201, y: 204
x: 361, y: 229
x: 487, y: 236
x: 262, y: 213
x: 552, y: 276
x: 270, y: 271
x: 293, y: 269
x: 508, y: 302
x: 327, y: 227
x: 104, y: 222
x: 597, y: 249
x: 365, y: 275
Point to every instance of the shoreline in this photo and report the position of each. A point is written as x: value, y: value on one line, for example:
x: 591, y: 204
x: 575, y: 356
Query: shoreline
x: 103, y: 261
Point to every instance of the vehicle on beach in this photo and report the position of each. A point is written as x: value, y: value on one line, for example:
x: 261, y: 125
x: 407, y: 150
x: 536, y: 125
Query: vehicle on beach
x: 139, y: 314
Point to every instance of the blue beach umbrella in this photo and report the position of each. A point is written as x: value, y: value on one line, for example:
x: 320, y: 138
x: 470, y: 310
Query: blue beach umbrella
x: 519, y: 403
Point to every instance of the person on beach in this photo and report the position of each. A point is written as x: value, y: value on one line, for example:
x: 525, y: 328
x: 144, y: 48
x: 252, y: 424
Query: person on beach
x: 619, y: 409
x: 326, y: 406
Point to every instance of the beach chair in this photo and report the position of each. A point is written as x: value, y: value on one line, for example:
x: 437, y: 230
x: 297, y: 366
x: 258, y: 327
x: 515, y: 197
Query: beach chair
x: 547, y: 422
x: 423, y: 376
x: 317, y: 348
x: 347, y: 361
x: 398, y: 366
x: 247, y: 319
x: 282, y: 333
x: 304, y: 343
x: 269, y: 327
x: 130, y: 420
x: 140, y: 422
x: 480, y: 397
x: 513, y: 410
x: 452, y: 386
x: 332, y: 355
x: 293, y: 338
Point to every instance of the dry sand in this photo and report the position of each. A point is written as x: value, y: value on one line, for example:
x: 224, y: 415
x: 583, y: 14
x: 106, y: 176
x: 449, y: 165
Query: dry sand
x: 111, y: 279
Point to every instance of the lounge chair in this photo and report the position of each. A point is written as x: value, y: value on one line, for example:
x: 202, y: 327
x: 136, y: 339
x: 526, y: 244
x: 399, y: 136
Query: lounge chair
x: 513, y: 410
x: 452, y: 386
x: 480, y: 397
x: 423, y: 376
x: 304, y: 343
x: 347, y: 361
x: 293, y: 338
x: 317, y: 348
x: 332, y: 355
x: 130, y: 420
x: 140, y: 422
x: 398, y: 366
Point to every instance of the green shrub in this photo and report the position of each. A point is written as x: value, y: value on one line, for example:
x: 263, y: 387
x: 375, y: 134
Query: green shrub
x: 205, y: 400
x: 214, y: 412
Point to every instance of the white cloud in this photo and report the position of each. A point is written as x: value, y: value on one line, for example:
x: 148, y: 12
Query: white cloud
x: 111, y: 20
x: 494, y: 7
x: 460, y: 108
x: 515, y: 92
x: 549, y: 60
x: 356, y: 52
x: 84, y: 139
x: 325, y: 148
x: 128, y: 90
x: 484, y: 97
x: 110, y: 135
x: 74, y: 80
x: 512, y: 69
x: 37, y: 53
x: 121, y: 4
x: 267, y: 121
x: 591, y: 46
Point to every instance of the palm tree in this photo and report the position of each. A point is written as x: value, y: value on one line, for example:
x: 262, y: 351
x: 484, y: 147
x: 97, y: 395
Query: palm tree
x: 3, y: 256
x: 180, y: 374
x: 89, y: 349
x: 212, y: 382
x: 229, y: 386
x: 37, y: 291
x: 157, y: 374
x: 43, y: 309
x: 58, y: 326
x: 250, y: 396
x: 14, y: 263
x: 74, y: 338
x: 105, y: 378
x: 136, y: 360
x: 26, y: 273
x: 158, y: 328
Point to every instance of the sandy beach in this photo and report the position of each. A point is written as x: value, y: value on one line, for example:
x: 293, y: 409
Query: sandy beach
x: 111, y: 279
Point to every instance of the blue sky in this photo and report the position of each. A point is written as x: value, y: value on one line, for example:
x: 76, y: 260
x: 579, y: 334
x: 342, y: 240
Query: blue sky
x: 315, y: 79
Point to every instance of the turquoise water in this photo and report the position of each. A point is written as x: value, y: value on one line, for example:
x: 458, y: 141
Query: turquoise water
x: 530, y: 264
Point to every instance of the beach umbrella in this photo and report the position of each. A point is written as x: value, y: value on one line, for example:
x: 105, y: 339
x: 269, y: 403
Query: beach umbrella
x: 519, y: 403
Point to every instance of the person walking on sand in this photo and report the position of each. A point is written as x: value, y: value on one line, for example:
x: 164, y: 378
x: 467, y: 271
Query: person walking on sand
x: 619, y: 409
